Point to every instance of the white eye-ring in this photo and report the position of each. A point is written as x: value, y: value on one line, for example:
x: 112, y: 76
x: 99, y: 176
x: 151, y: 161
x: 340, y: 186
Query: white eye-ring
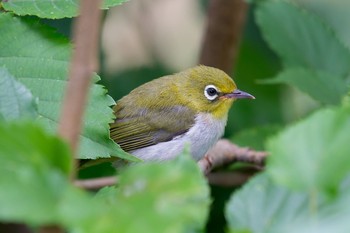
x: 211, y: 92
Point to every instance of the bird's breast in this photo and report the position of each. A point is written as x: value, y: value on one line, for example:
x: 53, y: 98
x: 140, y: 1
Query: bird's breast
x: 205, y: 132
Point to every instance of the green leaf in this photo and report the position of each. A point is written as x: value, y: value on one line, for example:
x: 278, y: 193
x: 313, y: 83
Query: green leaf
x: 312, y: 155
x: 301, y: 39
x: 50, y: 9
x: 261, y: 206
x: 255, y: 137
x: 331, y: 217
x: 334, y: 13
x: 34, y: 179
x: 16, y: 100
x: 34, y: 170
x: 168, y: 197
x: 40, y: 61
x: 321, y: 86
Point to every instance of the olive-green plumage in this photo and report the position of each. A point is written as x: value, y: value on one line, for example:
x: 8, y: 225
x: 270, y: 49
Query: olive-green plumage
x: 166, y: 108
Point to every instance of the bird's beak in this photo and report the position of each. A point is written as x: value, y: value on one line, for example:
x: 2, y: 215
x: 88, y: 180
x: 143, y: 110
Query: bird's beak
x: 238, y: 94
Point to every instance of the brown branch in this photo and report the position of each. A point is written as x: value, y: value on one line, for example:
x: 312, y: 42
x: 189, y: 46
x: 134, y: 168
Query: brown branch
x: 223, y: 153
x: 225, y: 24
x: 83, y: 64
x: 96, y: 183
x: 227, y: 179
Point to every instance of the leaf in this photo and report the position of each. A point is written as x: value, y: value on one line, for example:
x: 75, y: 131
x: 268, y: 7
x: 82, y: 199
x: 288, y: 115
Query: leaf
x: 335, y: 18
x: 255, y: 137
x: 301, y: 39
x: 312, y: 155
x: 50, y: 9
x: 40, y: 60
x: 331, y: 217
x: 34, y: 175
x: 169, y: 197
x: 34, y: 170
x: 16, y: 100
x: 321, y: 86
x: 34, y: 179
x: 261, y: 206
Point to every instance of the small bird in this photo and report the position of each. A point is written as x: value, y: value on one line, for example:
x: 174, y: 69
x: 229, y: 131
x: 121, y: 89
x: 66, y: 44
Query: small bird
x: 157, y: 120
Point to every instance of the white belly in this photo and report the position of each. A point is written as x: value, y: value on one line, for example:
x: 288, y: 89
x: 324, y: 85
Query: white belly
x: 201, y: 137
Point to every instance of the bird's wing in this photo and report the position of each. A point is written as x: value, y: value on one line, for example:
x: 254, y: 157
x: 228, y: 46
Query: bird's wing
x: 148, y: 127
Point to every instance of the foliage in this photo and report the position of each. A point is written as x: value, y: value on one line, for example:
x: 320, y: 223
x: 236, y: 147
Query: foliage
x: 305, y: 185
x: 314, y: 58
x: 16, y: 100
x: 50, y: 9
x: 304, y: 188
x: 262, y: 205
x: 51, y: 52
x: 36, y: 177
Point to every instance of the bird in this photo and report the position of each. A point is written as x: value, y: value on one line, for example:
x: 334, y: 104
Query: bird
x: 156, y: 121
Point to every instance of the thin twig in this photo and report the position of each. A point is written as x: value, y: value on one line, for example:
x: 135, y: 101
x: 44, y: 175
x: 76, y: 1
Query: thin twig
x: 226, y: 20
x: 96, y: 183
x: 84, y: 63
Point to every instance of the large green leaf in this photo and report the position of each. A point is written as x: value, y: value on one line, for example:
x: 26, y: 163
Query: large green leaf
x: 261, y: 206
x: 335, y: 13
x: 168, y: 197
x: 34, y: 179
x: 331, y: 217
x: 34, y: 170
x: 321, y: 86
x: 39, y: 58
x: 15, y: 99
x: 301, y: 39
x: 313, y: 155
x: 35, y: 189
x: 50, y: 9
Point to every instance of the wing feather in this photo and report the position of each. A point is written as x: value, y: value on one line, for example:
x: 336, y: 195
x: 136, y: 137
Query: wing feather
x: 148, y: 127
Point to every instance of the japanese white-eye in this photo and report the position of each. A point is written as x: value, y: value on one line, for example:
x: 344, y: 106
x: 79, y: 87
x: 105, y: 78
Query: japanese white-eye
x: 155, y: 121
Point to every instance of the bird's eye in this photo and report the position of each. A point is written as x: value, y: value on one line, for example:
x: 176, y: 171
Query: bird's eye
x: 211, y: 92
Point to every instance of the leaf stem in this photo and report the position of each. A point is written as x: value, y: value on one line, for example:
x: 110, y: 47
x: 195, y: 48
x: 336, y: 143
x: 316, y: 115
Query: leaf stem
x: 83, y: 64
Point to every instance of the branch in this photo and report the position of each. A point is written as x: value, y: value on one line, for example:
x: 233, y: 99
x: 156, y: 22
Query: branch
x: 226, y: 20
x: 224, y: 152
x: 83, y: 64
x: 96, y: 183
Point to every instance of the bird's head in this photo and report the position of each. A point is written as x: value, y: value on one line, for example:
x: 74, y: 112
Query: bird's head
x: 209, y: 90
